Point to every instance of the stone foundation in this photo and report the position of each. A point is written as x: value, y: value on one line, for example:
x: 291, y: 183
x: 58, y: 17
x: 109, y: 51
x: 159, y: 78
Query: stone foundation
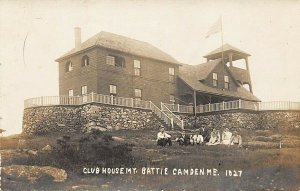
x: 72, y: 119
x: 244, y: 119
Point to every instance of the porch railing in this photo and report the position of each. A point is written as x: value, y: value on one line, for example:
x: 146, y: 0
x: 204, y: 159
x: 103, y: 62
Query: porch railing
x: 162, y: 115
x: 179, y: 108
x: 279, y: 105
x: 135, y: 103
x: 176, y: 120
x: 233, y: 105
x: 89, y: 98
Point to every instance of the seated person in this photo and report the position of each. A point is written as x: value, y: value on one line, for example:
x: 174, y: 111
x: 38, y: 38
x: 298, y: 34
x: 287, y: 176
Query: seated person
x: 197, y: 138
x: 204, y: 131
x: 236, y: 139
x: 214, y: 138
x: 191, y: 140
x: 183, y: 139
x: 226, y: 137
x: 163, y: 138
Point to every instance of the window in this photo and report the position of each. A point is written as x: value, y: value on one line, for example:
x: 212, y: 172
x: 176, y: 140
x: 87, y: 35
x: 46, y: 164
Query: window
x: 215, y: 79
x: 171, y: 74
x: 115, y: 61
x: 83, y: 90
x: 172, y: 98
x: 113, y: 90
x: 85, y: 61
x: 226, y: 81
x: 110, y: 60
x: 68, y: 66
x: 137, y: 67
x: 70, y: 93
x: 138, y: 94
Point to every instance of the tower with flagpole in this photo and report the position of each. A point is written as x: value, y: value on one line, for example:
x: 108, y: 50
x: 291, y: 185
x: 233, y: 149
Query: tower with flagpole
x: 229, y: 54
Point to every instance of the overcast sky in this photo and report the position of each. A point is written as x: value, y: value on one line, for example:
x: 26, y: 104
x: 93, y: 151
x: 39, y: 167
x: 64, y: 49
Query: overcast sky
x: 268, y: 30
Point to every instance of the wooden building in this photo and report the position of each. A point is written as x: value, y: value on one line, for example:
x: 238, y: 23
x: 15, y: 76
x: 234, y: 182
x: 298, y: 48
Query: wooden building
x: 111, y: 64
x: 216, y: 80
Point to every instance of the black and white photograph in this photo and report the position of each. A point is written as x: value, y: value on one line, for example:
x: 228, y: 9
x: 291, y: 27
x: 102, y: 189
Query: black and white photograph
x: 147, y: 95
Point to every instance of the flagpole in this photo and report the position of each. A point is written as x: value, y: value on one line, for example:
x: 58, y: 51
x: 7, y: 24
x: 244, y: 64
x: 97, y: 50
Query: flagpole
x: 222, y: 39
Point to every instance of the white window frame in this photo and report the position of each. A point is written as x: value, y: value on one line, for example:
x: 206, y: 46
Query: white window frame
x: 85, y: 59
x: 111, y: 60
x: 138, y: 94
x: 112, y: 89
x: 137, y: 67
x: 84, y: 90
x: 215, y: 79
x: 171, y: 74
x: 226, y: 82
x: 172, y: 98
x: 71, y: 92
x: 69, y: 66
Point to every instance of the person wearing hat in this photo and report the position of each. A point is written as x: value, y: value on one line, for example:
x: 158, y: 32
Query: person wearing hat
x: 163, y: 138
x: 236, y: 139
x: 226, y: 137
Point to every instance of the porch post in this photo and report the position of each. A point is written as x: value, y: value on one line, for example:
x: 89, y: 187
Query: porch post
x: 195, y: 103
x: 230, y: 59
x: 247, y: 67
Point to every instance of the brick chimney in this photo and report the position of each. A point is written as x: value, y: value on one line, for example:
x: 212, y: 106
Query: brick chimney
x: 77, y: 33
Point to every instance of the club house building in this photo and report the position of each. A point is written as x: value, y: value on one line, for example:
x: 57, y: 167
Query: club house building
x: 116, y: 65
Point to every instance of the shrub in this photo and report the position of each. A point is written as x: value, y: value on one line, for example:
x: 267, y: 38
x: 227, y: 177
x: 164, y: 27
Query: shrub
x: 95, y: 148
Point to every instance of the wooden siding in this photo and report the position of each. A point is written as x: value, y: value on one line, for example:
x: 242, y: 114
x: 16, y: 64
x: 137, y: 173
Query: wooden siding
x: 154, y: 79
x: 221, y: 71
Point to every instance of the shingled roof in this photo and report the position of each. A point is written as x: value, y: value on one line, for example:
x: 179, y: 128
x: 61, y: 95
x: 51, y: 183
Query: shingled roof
x: 200, y: 71
x: 192, y: 74
x: 226, y: 48
x: 123, y: 44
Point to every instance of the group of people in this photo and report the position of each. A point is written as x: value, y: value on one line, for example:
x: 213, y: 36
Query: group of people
x: 202, y: 136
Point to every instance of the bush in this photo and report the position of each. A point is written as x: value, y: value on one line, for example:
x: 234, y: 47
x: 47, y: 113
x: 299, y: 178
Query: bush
x: 95, y: 148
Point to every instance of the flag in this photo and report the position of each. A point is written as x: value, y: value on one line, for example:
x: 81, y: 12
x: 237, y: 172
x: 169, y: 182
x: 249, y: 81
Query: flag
x: 217, y: 27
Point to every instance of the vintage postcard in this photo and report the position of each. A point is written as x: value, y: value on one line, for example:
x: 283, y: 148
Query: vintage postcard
x: 150, y: 95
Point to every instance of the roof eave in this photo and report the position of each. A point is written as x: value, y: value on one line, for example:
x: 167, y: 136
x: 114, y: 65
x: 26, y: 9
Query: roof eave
x: 207, y: 92
x: 74, y: 53
x: 99, y: 46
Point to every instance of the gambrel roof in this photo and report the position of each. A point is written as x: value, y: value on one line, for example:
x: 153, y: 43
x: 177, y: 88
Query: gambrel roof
x: 123, y: 44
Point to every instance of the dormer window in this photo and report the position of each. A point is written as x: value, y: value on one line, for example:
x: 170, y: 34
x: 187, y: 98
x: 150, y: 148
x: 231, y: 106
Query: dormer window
x: 215, y: 79
x: 68, y: 66
x: 85, y: 61
x: 226, y: 82
x: 115, y: 61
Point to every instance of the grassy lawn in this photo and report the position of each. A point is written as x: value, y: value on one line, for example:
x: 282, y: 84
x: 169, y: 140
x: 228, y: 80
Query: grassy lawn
x: 264, y: 166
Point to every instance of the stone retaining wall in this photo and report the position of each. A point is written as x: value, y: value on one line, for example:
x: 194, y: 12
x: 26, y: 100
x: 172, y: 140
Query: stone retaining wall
x: 245, y: 119
x: 70, y: 119
x: 41, y: 120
